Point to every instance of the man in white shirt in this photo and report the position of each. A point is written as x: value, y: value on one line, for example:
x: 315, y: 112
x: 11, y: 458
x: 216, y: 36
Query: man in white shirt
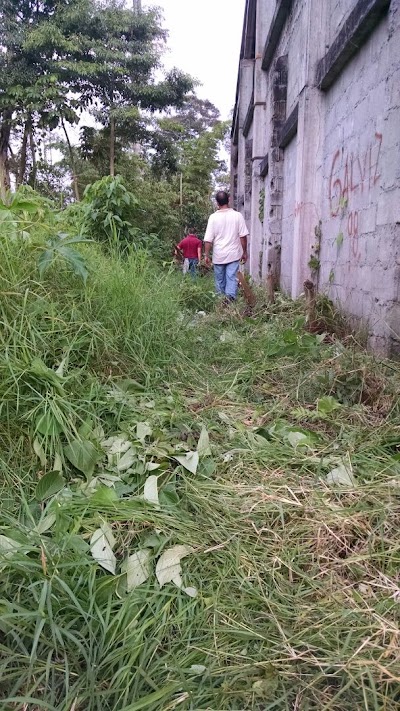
x: 227, y: 234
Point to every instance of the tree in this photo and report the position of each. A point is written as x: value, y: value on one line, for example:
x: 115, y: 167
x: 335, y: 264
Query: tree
x: 117, y: 72
x: 33, y: 95
x: 63, y: 55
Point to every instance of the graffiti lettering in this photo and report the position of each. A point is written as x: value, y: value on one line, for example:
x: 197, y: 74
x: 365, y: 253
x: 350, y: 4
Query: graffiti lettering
x: 352, y: 231
x: 352, y: 173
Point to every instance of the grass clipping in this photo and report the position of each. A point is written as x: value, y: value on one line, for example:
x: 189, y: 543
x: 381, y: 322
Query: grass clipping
x: 256, y: 569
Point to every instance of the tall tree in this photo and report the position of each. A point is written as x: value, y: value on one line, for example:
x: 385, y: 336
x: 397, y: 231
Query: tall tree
x: 118, y: 71
x: 61, y: 55
x: 32, y: 94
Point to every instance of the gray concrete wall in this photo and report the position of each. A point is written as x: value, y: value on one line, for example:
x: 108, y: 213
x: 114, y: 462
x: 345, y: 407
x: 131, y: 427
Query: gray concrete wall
x: 332, y: 193
x: 337, y: 12
x: 361, y: 175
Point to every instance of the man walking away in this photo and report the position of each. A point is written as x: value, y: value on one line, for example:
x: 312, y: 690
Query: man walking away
x: 190, y: 248
x: 227, y: 233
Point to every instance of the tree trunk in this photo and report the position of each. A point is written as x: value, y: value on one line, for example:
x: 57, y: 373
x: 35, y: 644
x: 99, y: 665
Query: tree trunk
x: 5, y: 130
x: 22, y: 162
x: 32, y: 177
x: 112, y: 145
x: 73, y: 164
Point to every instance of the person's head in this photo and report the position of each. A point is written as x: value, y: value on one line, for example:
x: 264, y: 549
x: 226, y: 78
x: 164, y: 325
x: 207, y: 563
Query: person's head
x: 191, y: 231
x: 222, y: 198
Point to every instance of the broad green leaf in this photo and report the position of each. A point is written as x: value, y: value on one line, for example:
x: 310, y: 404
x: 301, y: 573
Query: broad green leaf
x: 169, y: 496
x: 342, y: 476
x: 297, y: 439
x: 168, y: 568
x: 190, y: 461
x: 143, y: 430
x: 101, y: 545
x: 41, y: 371
x: 130, y: 386
x: 126, y: 461
x: 48, y: 485
x: 138, y: 568
x: 151, y: 490
x: 83, y: 455
x: 104, y: 496
x: 48, y: 425
x: 8, y: 546
x: 86, y: 428
x: 75, y: 261
x: 24, y: 205
x: 44, y: 261
x: 203, y: 445
x: 108, y: 479
x: 45, y: 523
x: 327, y: 404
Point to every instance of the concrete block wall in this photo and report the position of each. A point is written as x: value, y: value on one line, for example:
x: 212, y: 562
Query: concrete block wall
x: 361, y: 175
x: 332, y: 190
x: 337, y: 11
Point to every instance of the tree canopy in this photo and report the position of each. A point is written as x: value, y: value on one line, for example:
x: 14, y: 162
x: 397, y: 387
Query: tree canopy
x: 93, y: 69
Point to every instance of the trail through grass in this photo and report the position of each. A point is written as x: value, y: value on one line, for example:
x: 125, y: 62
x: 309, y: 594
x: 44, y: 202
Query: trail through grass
x: 277, y: 462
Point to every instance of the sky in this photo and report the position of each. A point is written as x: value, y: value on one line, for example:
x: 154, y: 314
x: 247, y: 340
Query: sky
x: 204, y: 41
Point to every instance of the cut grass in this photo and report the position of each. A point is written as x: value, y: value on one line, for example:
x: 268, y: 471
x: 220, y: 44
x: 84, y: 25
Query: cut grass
x: 298, y: 588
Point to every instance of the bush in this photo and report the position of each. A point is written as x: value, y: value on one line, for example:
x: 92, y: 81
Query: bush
x: 108, y: 209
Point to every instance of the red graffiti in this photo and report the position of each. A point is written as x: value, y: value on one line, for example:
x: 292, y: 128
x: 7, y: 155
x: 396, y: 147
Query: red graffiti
x: 352, y: 231
x: 298, y: 208
x: 352, y: 173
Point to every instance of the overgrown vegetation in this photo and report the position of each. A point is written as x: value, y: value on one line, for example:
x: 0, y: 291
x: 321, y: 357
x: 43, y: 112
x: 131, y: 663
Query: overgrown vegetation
x: 198, y: 510
x: 97, y: 66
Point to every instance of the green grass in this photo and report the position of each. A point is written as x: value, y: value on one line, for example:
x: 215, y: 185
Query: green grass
x: 297, y: 579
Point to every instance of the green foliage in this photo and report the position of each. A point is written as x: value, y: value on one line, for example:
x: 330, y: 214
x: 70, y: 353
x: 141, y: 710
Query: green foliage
x: 314, y: 263
x: 49, y: 485
x: 185, y: 495
x: 57, y: 248
x: 58, y: 58
x: 83, y: 455
x: 108, y: 210
x: 197, y: 295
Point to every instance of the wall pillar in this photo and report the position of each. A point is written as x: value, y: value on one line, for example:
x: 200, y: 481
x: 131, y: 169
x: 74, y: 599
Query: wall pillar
x: 309, y: 173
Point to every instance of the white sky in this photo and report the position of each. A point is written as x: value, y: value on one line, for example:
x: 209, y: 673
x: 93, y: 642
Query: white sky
x: 204, y: 41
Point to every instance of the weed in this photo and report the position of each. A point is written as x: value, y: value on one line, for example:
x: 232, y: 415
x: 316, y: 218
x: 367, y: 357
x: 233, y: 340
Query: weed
x: 267, y: 456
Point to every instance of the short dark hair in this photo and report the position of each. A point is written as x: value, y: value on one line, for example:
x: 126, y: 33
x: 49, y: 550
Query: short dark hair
x: 222, y: 198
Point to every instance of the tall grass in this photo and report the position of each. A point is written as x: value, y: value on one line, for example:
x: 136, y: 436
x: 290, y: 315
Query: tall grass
x: 296, y: 573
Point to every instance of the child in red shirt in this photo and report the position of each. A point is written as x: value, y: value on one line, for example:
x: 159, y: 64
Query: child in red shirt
x: 190, y: 247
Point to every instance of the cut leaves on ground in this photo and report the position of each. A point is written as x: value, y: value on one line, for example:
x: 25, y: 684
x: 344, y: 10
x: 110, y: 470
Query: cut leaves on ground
x: 138, y: 571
